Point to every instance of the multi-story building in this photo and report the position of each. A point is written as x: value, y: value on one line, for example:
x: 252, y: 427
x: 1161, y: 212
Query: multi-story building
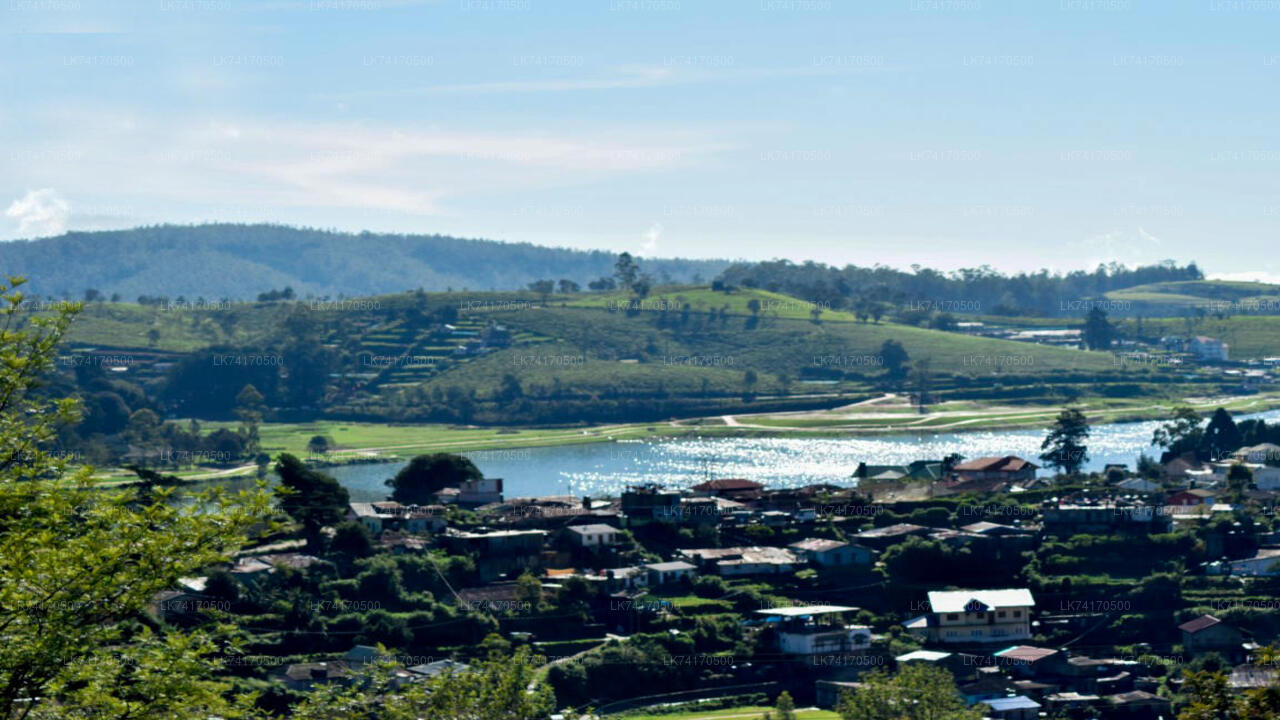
x: 975, y: 616
x: 817, y: 629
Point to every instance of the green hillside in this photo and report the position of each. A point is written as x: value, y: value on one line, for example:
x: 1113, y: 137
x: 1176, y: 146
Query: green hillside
x: 224, y: 260
x: 520, y: 357
x: 1211, y: 296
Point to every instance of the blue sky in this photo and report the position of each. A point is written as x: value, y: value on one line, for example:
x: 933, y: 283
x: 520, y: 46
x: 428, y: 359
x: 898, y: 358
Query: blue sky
x: 949, y: 133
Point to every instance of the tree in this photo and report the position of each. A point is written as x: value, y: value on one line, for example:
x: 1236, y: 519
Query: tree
x: 922, y: 382
x: 543, y: 288
x: 249, y: 406
x: 894, y: 357
x: 784, y: 709
x: 80, y: 563
x: 569, y: 286
x: 916, y: 692
x: 1239, y: 478
x: 1221, y: 436
x: 626, y: 270
x: 1064, y: 445
x: 318, y: 445
x: 352, y: 539
x: 1181, y: 434
x: 1097, y: 332
x: 499, y: 688
x: 1210, y: 697
x: 310, y: 497
x: 426, y: 475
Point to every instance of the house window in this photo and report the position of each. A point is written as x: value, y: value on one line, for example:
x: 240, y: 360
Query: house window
x: 952, y: 616
x: 1001, y: 613
x: 1017, y: 613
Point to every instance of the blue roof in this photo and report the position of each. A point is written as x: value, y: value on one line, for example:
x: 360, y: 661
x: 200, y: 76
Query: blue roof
x: 1019, y: 702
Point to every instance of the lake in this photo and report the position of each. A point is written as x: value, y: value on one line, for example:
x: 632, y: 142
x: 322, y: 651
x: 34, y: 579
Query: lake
x: 606, y: 468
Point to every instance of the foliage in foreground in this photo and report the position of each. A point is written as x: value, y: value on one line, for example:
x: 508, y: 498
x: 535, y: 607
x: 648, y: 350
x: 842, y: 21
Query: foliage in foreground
x: 499, y: 688
x: 80, y: 565
x: 916, y: 692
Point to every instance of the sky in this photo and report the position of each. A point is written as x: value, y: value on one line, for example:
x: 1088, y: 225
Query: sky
x: 946, y: 133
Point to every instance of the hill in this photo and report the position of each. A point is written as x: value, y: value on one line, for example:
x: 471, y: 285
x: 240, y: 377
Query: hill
x: 217, y: 261
x: 521, y: 357
x: 1208, y: 297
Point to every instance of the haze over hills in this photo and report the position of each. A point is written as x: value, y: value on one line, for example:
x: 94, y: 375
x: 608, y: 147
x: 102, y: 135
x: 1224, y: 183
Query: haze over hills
x: 234, y: 261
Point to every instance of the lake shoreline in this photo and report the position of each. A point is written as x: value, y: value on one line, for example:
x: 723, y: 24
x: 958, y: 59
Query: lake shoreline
x: 710, y: 428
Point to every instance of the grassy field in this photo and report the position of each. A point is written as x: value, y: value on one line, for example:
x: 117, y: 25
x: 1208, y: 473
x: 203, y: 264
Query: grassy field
x: 896, y: 415
x: 362, y: 442
x: 703, y: 299
x: 738, y: 713
x: 1250, y: 336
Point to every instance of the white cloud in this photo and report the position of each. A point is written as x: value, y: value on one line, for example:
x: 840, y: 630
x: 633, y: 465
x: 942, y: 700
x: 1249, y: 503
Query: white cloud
x: 40, y: 213
x: 1262, y: 276
x: 651, y: 237
x: 254, y: 169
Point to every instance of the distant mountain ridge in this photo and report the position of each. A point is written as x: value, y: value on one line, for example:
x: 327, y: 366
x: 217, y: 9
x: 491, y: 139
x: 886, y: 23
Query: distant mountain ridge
x: 235, y: 261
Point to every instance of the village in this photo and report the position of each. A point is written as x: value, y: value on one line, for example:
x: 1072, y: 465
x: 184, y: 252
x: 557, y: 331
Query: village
x: 1042, y: 595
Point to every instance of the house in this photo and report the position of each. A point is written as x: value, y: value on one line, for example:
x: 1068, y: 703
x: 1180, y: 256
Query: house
x: 729, y: 488
x: 1064, y: 702
x: 497, y: 542
x: 1191, y: 498
x: 1265, y: 453
x: 1139, y: 705
x: 1264, y: 563
x: 295, y: 561
x: 304, y: 677
x: 1028, y: 661
x: 1009, y: 468
x: 482, y: 491
x: 829, y: 693
x: 975, y: 616
x: 378, y: 517
x: 708, y: 509
x: 958, y: 664
x: 249, y: 569
x: 643, y: 503
x: 1139, y: 485
x: 917, y: 470
x: 665, y: 573
x: 1251, y: 677
x: 1009, y: 536
x: 1018, y: 707
x: 594, y: 536
x: 432, y: 669
x: 737, y: 561
x: 988, y: 685
x: 1100, y: 518
x: 1209, y: 634
x: 499, y: 551
x: 817, y: 629
x: 831, y: 553
x: 1176, y: 469
x: 626, y: 578
x: 958, y: 538
x: 884, y: 537
x: 1265, y: 477
x: 1207, y: 349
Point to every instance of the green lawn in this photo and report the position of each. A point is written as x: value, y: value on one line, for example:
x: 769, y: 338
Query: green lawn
x: 738, y: 713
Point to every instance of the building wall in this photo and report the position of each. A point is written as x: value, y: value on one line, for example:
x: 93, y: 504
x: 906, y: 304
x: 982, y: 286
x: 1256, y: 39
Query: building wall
x: 981, y: 627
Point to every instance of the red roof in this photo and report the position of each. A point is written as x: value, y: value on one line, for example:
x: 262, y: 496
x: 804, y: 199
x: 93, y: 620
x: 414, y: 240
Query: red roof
x: 1026, y: 653
x: 729, y: 484
x: 1201, y: 623
x: 1008, y: 463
